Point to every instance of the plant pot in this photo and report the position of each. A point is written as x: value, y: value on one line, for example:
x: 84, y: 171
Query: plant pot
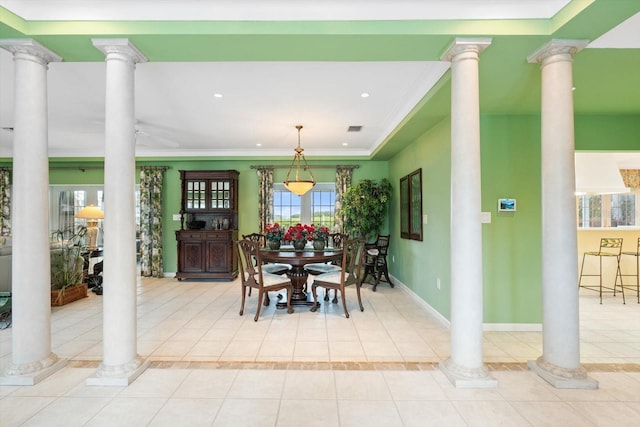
x: 68, y: 294
x: 274, y: 244
x: 298, y: 245
x: 318, y: 245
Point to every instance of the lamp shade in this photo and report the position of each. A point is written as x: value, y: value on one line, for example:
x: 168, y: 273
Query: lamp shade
x: 90, y: 212
x: 299, y: 187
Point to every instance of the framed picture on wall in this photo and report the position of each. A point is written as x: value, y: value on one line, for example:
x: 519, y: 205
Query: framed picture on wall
x: 411, y: 206
x: 506, y: 205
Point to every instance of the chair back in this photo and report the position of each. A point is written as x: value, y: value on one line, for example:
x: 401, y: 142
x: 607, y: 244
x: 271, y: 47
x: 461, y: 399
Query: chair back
x: 352, y: 259
x: 255, y: 237
x: 250, y: 272
x: 611, y: 245
x: 337, y: 239
x: 382, y: 244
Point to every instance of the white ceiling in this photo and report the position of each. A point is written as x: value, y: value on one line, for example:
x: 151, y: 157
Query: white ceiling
x: 262, y: 102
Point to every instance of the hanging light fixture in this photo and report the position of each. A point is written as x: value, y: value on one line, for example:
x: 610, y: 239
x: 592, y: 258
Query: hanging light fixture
x: 299, y: 186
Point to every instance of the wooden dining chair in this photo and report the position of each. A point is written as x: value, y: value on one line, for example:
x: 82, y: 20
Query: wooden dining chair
x: 349, y: 273
x: 252, y: 276
x: 375, y: 262
x: 272, y: 268
x: 317, y: 268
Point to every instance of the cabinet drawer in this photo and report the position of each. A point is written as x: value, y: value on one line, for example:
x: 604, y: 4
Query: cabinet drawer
x: 188, y: 235
x: 217, y: 236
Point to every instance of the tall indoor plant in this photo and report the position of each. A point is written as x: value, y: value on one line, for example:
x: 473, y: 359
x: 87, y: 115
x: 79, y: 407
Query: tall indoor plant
x: 67, y: 266
x: 365, y: 206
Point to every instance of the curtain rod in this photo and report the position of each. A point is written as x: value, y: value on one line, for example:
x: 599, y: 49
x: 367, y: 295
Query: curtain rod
x: 314, y: 166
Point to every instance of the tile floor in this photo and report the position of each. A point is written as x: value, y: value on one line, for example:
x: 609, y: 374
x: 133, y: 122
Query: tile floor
x: 379, y: 368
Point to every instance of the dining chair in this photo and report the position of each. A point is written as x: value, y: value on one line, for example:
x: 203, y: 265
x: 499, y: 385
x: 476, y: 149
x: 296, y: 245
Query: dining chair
x: 611, y: 248
x: 375, y: 261
x: 349, y: 273
x: 317, y: 268
x: 272, y: 268
x: 252, y: 276
x: 635, y: 254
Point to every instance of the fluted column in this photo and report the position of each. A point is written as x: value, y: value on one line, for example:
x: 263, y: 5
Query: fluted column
x: 465, y: 367
x: 560, y: 361
x: 121, y: 363
x: 31, y: 356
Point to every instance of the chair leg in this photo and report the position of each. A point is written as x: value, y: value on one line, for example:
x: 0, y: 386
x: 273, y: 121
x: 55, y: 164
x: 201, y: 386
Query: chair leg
x: 581, y: 268
x: 314, y: 307
x: 289, y: 293
x: 344, y: 302
x: 244, y: 291
x: 619, y: 273
x: 260, y: 296
x: 358, y: 285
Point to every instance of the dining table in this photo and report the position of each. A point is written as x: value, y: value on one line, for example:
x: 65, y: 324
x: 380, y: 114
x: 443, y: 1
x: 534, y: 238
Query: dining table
x: 298, y: 275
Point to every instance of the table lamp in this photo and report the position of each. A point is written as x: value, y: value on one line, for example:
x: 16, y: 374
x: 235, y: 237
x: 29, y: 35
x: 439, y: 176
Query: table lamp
x: 92, y: 214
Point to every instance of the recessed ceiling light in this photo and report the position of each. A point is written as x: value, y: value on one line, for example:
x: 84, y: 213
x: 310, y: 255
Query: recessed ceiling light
x: 258, y: 145
x: 344, y: 144
x: 217, y: 95
x: 364, y: 95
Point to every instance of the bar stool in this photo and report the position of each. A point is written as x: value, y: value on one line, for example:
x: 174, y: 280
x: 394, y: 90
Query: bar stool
x: 637, y: 255
x: 609, y: 248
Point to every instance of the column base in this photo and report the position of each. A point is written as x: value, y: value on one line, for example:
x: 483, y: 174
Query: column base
x: 119, y: 376
x: 562, y: 377
x: 462, y: 377
x: 32, y: 373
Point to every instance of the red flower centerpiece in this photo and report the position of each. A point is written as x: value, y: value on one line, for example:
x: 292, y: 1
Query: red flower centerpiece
x: 274, y: 234
x: 319, y: 235
x: 298, y: 234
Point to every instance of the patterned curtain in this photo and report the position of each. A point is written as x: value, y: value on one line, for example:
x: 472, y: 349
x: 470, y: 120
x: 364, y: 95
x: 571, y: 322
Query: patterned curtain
x: 631, y: 178
x: 343, y: 181
x: 151, y: 183
x: 5, y: 202
x: 265, y: 196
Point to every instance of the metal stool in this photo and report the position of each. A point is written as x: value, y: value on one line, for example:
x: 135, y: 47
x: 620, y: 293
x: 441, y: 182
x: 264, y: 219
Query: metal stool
x: 637, y: 275
x: 609, y: 248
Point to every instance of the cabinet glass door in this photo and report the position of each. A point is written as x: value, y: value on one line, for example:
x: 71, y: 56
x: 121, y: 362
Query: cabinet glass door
x: 196, y: 192
x: 220, y: 194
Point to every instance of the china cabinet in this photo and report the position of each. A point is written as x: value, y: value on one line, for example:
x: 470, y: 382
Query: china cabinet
x: 208, y: 225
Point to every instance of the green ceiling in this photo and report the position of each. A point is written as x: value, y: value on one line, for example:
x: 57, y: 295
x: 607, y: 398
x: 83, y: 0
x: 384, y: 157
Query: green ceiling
x: 606, y: 80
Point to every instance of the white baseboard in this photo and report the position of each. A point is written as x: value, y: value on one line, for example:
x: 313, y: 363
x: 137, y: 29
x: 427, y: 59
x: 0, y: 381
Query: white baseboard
x: 497, y: 327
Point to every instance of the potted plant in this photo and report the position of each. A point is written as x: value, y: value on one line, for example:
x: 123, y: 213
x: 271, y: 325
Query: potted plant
x: 319, y: 235
x: 67, y: 266
x: 274, y: 233
x: 364, y: 207
x: 299, y: 235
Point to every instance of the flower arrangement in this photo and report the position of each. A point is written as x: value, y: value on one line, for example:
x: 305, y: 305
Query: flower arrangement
x: 319, y: 233
x: 298, y: 233
x: 274, y: 232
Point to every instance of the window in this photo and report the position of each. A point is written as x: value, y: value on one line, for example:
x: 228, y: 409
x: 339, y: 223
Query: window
x: 609, y: 210
x: 66, y: 200
x: 315, y: 207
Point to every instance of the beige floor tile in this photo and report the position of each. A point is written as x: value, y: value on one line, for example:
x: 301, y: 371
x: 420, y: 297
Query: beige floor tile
x: 358, y: 413
x: 311, y: 350
x: 127, y: 412
x: 247, y: 412
x: 346, y: 351
x: 416, y: 414
x: 606, y: 414
x: 489, y: 413
x: 187, y: 412
x: 257, y: 384
x: 156, y: 383
x: 361, y: 385
x: 206, y: 383
x: 308, y: 413
x: 68, y: 411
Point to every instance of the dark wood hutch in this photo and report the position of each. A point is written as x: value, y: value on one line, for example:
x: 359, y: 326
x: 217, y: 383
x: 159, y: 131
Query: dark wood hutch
x: 208, y: 225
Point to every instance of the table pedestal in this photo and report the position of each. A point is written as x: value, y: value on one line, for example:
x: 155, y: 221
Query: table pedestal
x: 298, y: 276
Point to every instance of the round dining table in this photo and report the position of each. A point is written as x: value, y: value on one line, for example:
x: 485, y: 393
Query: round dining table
x: 297, y: 274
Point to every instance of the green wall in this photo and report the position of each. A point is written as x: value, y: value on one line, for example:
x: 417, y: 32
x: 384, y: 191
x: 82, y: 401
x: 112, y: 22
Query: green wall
x: 512, y: 242
x: 419, y: 264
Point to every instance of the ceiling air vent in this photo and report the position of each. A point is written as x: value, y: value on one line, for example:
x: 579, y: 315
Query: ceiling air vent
x: 354, y: 128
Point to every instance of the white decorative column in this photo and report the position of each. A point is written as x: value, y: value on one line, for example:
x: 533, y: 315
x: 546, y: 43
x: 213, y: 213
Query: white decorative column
x: 465, y: 367
x: 560, y: 361
x: 121, y: 364
x: 31, y: 356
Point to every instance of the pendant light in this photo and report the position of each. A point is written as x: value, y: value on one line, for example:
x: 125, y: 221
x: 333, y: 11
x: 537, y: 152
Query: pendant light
x: 299, y: 186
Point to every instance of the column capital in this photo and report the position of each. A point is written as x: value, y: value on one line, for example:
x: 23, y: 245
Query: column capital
x: 29, y: 47
x: 119, y: 47
x: 461, y: 45
x: 557, y: 47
